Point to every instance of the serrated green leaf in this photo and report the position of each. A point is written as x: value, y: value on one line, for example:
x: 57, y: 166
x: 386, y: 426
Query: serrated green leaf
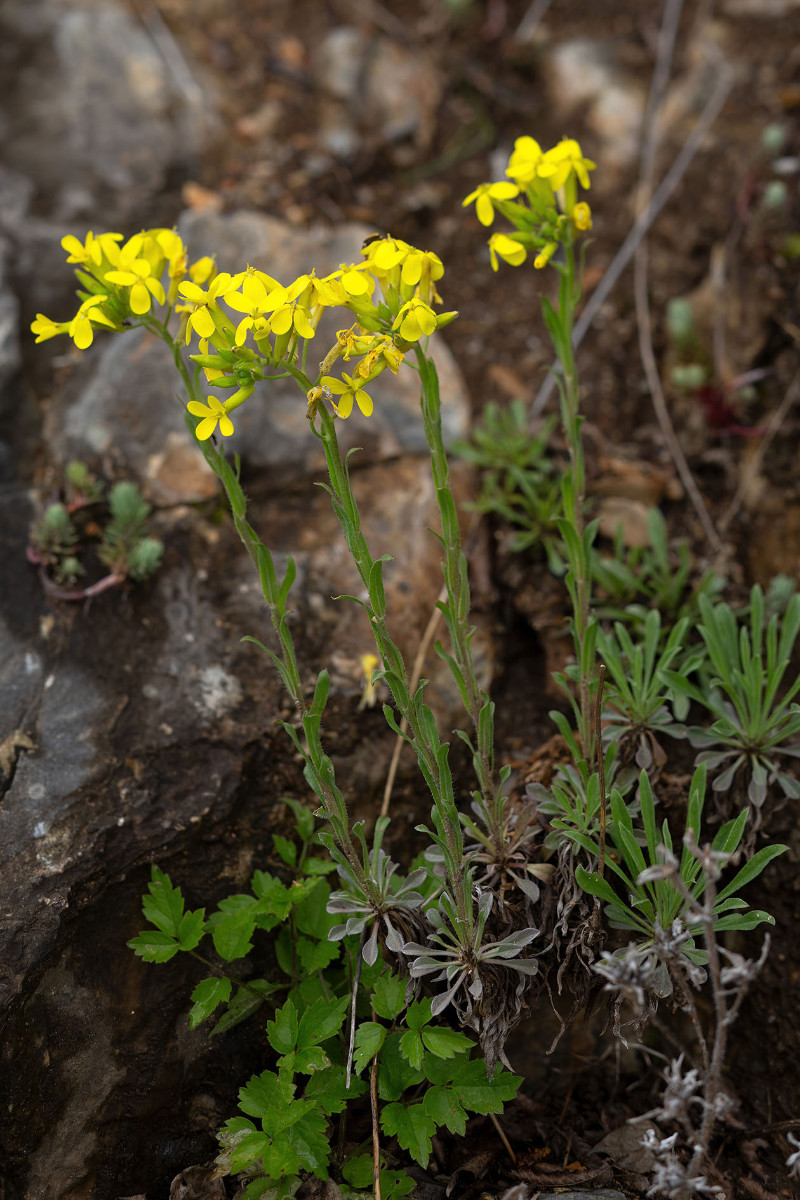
x: 248, y: 1149
x: 318, y: 866
x: 418, y: 1014
x: 282, y: 1030
x: 307, y: 1062
x: 444, y: 1106
x: 266, y: 1096
x: 232, y: 933
x: 357, y: 1171
x: 411, y: 1048
x: 389, y: 996
x: 311, y: 1143
x: 480, y: 1094
x: 328, y: 1089
x: 246, y: 1001
x: 395, y: 1075
x: 316, y: 956
x: 163, y: 905
x: 281, y: 1158
x: 369, y: 1038
x: 191, y: 928
x: 304, y: 818
x: 206, y: 996
x: 285, y: 849
x: 321, y: 1021
x: 311, y: 915
x: 446, y: 1043
x: 412, y: 1127
x: 153, y: 946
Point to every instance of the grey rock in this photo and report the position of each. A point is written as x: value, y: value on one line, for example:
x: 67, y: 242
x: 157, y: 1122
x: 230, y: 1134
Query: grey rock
x: 374, y: 85
x: 583, y: 72
x: 9, y: 325
x: 101, y: 107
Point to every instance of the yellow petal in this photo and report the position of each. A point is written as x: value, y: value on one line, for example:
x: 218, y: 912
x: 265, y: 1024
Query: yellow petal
x: 203, y: 323
x: 140, y: 299
x: 205, y: 429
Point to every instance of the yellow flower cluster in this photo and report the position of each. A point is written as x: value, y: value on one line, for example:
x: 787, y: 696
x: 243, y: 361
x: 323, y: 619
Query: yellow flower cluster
x: 270, y: 324
x: 540, y: 198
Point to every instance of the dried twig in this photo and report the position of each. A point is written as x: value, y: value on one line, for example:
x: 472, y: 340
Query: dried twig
x: 666, y: 45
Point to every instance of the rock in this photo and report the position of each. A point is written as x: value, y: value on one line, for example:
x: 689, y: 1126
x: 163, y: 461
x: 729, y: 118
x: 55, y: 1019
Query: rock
x: 9, y: 325
x: 123, y: 401
x: 617, y: 513
x: 119, y: 113
x: 583, y: 72
x: 378, y: 86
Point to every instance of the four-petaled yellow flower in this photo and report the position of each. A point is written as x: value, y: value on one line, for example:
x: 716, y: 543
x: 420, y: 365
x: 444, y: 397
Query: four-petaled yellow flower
x: 524, y: 162
x: 80, y: 327
x: 252, y: 298
x: 287, y: 310
x: 134, y: 270
x: 416, y: 319
x: 92, y: 252
x: 202, y: 304
x: 507, y: 248
x: 44, y: 327
x: 213, y: 415
x: 559, y: 163
x: 348, y: 389
x: 483, y: 196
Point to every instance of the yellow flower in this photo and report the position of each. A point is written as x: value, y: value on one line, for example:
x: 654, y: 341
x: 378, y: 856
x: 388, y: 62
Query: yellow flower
x: 348, y: 389
x: 384, y: 254
x: 524, y: 162
x: 213, y: 415
x: 562, y: 161
x: 505, y: 247
x: 368, y: 663
x: 353, y: 281
x: 483, y: 196
x: 92, y: 252
x: 416, y: 319
x: 582, y: 217
x: 253, y: 299
x: 201, y: 271
x: 80, y: 327
x: 137, y: 267
x: 45, y: 328
x: 202, y: 304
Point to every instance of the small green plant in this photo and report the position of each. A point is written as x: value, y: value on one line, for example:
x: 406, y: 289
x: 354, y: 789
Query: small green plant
x: 288, y: 1109
x: 62, y: 539
x: 520, y: 481
x: 637, y: 693
x: 360, y: 979
x: 633, y: 580
x: 125, y: 547
x: 659, y: 909
x: 754, y: 721
x: 54, y: 545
